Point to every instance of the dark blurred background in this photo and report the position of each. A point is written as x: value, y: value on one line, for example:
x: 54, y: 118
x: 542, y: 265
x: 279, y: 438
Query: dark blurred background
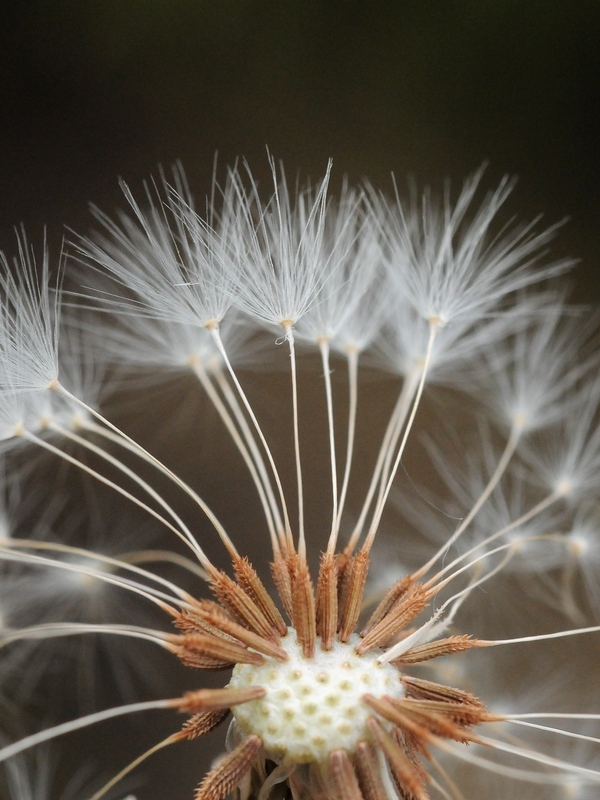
x: 94, y: 90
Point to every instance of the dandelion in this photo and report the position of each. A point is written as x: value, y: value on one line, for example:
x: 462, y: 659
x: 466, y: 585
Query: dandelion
x: 338, y: 687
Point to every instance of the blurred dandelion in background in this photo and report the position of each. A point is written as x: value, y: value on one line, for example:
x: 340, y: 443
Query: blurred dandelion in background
x: 419, y: 634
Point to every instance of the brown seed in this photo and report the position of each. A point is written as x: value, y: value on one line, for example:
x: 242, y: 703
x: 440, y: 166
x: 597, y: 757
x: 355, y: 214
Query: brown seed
x: 217, y: 699
x: 327, y: 600
x: 233, y: 597
x: 415, y: 748
x: 430, y: 690
x: 342, y: 777
x: 443, y: 647
x: 355, y: 576
x: 389, y: 601
x: 341, y: 561
x: 199, y: 644
x: 436, y: 723
x: 282, y: 580
x: 203, y: 722
x: 402, y: 614
x: 404, y: 771
x: 254, y: 587
x: 303, y: 606
x: 393, y: 714
x: 462, y: 713
x: 194, y: 658
x: 230, y: 771
x: 368, y: 773
x: 192, y: 622
x: 228, y: 626
x: 198, y: 661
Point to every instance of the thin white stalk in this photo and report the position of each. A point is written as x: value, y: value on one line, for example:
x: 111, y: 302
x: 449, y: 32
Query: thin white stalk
x: 83, y: 722
x: 542, y: 778
x: 505, y: 458
x: 32, y: 544
x: 238, y: 413
x: 128, y: 444
x: 542, y: 636
x: 510, y: 546
x: 389, y: 783
x: 528, y: 515
x: 559, y: 731
x: 154, y: 595
x: 227, y: 420
x: 468, y: 589
x: 325, y: 353
x: 398, y: 425
x: 552, y: 715
x: 80, y: 440
x: 71, y: 460
x: 55, y: 630
x: 149, y: 556
x: 352, y: 363
x: 417, y: 637
x: 397, y: 418
x: 442, y: 627
x: 456, y: 793
x: 136, y: 448
x: 289, y: 333
x: 219, y: 343
x: 438, y: 786
x: 172, y: 739
x: 433, y: 329
x: 413, y: 639
x: 541, y: 758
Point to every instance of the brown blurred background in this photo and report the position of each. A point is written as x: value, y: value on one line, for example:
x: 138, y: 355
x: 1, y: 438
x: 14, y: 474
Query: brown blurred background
x: 93, y: 90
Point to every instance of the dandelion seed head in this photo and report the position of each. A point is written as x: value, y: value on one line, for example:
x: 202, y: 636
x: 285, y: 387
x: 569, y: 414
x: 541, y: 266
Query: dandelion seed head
x: 326, y: 700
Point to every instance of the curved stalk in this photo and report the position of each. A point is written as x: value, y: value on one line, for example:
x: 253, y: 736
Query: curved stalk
x: 172, y: 739
x: 55, y: 630
x: 352, y: 362
x: 289, y: 333
x: 83, y: 722
x: 32, y: 544
x: 227, y: 420
x: 221, y: 348
x: 130, y: 474
x: 511, y: 446
x: 136, y: 448
x: 433, y: 329
x: 160, y: 599
x: 325, y: 353
x: 238, y: 413
x: 396, y: 421
x: 107, y: 482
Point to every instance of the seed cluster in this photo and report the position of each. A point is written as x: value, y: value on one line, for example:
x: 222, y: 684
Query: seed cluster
x: 318, y: 697
x: 313, y: 706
